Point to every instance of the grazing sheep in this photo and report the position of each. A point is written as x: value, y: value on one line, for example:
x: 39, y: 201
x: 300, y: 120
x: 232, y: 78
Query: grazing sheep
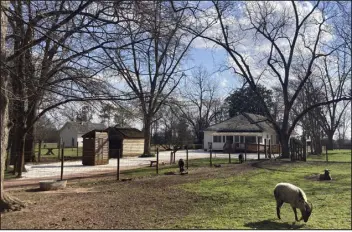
x: 289, y: 193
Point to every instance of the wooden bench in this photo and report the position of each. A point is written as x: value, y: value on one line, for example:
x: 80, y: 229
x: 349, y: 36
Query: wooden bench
x: 152, y: 162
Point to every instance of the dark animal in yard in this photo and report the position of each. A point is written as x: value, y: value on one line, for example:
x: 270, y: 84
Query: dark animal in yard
x: 325, y: 176
x: 289, y: 193
x: 240, y: 157
x: 181, y: 165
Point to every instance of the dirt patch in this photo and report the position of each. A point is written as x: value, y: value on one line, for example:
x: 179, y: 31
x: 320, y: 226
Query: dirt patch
x: 103, y: 203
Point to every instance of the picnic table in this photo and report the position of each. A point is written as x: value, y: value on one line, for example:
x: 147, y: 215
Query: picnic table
x: 50, y: 151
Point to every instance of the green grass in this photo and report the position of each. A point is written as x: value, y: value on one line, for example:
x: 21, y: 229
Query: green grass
x: 246, y: 201
x: 333, y: 156
x: 68, y: 152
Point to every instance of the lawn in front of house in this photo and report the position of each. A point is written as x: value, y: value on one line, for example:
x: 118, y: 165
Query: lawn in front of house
x: 339, y: 155
x: 234, y: 196
x: 246, y: 201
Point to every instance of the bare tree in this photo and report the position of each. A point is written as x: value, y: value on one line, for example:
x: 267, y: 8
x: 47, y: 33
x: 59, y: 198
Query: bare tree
x: 343, y: 127
x: 200, y: 101
x: 150, y: 66
x: 37, y: 72
x: 296, y: 38
x: 6, y: 202
x: 335, y: 77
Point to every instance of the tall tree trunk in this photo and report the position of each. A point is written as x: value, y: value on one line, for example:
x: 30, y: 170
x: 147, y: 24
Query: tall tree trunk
x: 20, y: 162
x: 30, y: 138
x: 147, y: 125
x: 6, y: 202
x: 330, y: 144
x: 284, y: 141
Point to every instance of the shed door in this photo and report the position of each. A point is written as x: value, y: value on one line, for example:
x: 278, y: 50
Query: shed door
x: 100, y: 151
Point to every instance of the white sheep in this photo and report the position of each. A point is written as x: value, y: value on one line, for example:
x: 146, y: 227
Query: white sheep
x: 289, y: 193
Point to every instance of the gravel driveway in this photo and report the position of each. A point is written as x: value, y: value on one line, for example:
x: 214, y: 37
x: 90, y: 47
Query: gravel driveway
x: 76, y: 167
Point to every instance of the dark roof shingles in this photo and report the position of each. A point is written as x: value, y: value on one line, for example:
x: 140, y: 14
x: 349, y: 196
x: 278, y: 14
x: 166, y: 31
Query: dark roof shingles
x: 243, y: 123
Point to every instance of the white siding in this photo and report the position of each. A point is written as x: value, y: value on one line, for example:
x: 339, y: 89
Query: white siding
x: 208, y: 137
x: 67, y: 133
x: 133, y: 147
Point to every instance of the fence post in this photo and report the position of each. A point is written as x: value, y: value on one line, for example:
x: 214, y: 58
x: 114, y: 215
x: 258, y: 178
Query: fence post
x: 211, y: 162
x: 157, y: 160
x: 40, y: 150
x: 265, y: 149
x: 187, y: 157
x: 305, y: 150
x: 229, y: 155
x: 58, y: 153
x: 245, y: 150
x: 258, y: 148
x: 62, y: 160
x: 170, y: 157
x: 118, y: 163
x: 269, y: 149
x: 77, y: 148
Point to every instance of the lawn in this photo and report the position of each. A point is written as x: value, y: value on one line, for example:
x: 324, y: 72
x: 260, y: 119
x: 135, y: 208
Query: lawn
x: 234, y: 196
x: 247, y: 202
x: 333, y: 156
x: 68, y: 152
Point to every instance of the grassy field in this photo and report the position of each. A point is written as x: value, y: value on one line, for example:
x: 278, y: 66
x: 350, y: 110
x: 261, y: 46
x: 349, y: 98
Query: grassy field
x: 247, y: 202
x: 68, y: 152
x: 333, y: 156
x: 235, y: 196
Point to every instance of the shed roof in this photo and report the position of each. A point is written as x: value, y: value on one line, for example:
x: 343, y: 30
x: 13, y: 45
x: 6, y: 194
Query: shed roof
x: 92, y: 133
x: 245, y: 122
x: 127, y: 132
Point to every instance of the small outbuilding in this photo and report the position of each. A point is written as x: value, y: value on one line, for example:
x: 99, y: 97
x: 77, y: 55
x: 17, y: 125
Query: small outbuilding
x: 130, y: 141
x: 95, y: 148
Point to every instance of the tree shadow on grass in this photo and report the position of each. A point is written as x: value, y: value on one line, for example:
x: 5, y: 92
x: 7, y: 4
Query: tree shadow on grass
x: 273, y: 225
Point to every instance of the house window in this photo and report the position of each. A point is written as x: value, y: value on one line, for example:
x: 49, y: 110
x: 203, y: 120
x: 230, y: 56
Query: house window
x: 241, y: 139
x: 237, y: 139
x: 223, y: 139
x: 260, y: 139
x: 250, y: 139
x: 229, y: 139
x: 217, y: 139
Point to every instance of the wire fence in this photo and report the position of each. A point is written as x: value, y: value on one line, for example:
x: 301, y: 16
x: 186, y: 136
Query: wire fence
x: 73, y: 163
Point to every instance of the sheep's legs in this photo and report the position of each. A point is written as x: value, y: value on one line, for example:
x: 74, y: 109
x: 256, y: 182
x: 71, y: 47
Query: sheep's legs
x: 295, y: 211
x: 278, y: 206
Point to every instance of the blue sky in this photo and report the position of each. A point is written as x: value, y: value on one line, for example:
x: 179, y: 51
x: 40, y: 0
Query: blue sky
x: 214, y: 59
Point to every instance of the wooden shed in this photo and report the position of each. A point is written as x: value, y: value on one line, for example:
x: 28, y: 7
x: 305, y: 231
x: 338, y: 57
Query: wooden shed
x: 95, y: 148
x: 129, y: 140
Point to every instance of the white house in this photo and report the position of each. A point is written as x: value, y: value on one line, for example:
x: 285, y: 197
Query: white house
x: 244, y: 128
x: 72, y: 132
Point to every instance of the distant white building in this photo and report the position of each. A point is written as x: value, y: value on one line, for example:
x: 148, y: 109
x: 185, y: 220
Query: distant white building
x: 72, y: 132
x: 244, y: 128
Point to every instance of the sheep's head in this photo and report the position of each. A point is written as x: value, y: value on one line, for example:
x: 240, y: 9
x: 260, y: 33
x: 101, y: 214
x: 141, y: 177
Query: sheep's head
x: 307, y: 211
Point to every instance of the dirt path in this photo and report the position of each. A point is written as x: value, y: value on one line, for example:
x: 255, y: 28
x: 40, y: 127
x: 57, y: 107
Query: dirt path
x: 102, y: 203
